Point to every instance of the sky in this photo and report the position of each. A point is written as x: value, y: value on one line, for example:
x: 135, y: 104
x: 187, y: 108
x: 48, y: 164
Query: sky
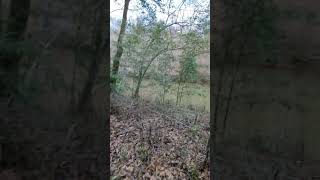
x: 133, y: 6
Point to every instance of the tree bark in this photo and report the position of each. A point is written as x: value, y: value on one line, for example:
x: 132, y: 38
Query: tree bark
x: 136, y: 92
x: 143, y: 72
x: 117, y: 57
x: 178, y: 91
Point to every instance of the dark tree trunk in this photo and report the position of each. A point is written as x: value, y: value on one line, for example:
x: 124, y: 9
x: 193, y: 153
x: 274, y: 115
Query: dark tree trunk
x: 117, y: 57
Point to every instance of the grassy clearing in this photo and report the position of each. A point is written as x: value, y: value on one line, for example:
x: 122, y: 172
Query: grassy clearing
x: 197, y: 95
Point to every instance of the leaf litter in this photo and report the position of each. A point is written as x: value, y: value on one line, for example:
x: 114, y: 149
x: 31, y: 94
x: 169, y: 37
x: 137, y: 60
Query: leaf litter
x: 154, y: 142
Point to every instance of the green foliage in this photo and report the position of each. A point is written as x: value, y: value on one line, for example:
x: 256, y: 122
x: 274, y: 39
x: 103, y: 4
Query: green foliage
x: 194, y: 43
x: 194, y: 173
x: 116, y: 178
x: 162, y: 74
x: 206, y: 27
x: 150, y: 47
x: 195, y: 129
x: 188, y: 72
x: 149, y: 7
x: 121, y: 86
x: 113, y: 78
x: 123, y: 154
x: 144, y: 45
x: 143, y: 153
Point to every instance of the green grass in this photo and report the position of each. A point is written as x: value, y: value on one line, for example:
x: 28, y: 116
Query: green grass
x: 198, y: 94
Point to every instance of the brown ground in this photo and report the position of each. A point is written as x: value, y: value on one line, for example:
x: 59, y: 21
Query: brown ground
x: 148, y: 142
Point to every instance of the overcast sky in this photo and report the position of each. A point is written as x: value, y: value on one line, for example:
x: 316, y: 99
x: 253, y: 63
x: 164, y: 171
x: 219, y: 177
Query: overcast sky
x: 186, y: 12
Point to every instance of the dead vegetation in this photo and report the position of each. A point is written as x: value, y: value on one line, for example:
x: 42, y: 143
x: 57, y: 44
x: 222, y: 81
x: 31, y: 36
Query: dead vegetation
x: 154, y: 142
x: 149, y: 141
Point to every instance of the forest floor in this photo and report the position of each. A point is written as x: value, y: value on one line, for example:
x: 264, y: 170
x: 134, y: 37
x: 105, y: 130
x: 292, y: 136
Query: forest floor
x: 149, y: 141
x: 152, y: 141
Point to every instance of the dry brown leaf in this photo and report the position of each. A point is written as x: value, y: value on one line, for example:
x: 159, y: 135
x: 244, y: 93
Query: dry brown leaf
x: 165, y: 158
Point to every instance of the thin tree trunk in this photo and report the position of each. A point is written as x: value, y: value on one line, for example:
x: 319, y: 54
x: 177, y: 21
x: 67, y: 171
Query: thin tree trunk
x: 117, y: 57
x: 179, y: 89
x: 178, y: 92
x: 207, y: 154
x: 142, y: 72
x: 163, y: 96
x: 181, y: 93
x: 136, y: 92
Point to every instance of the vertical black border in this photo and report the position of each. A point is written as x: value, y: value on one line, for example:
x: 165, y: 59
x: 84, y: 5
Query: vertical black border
x: 107, y: 121
x: 212, y: 30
